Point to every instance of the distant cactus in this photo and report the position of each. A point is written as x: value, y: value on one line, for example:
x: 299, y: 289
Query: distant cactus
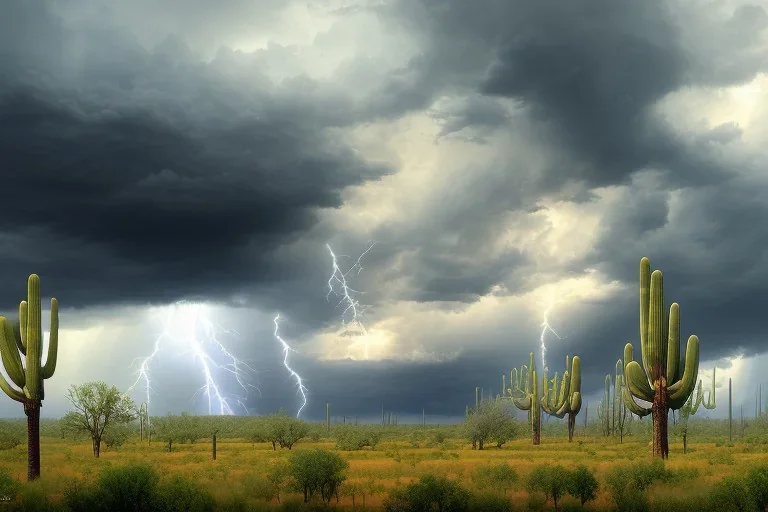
x: 604, y: 408
x: 524, y: 391
x: 659, y: 380
x: 691, y: 406
x: 28, y: 341
x: 620, y: 410
x: 566, y: 400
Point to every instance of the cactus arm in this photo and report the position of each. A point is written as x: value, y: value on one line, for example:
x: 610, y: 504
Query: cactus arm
x: 34, y: 333
x: 645, y: 302
x: 10, y: 353
x: 673, y: 345
x: 686, y: 384
x: 21, y: 341
x: 656, y: 352
x: 53, y: 342
x: 524, y: 404
x: 13, y: 393
x: 633, y: 407
x: 637, y: 382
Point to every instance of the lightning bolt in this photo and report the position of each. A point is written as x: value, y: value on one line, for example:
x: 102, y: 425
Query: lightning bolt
x: 188, y: 330
x: 301, y: 390
x: 545, y: 326
x: 338, y: 285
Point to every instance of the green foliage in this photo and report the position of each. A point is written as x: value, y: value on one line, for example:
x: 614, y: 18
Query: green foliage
x: 180, y: 494
x: 553, y: 481
x: 97, y: 407
x: 116, y: 435
x: 352, y: 438
x: 757, y: 484
x: 283, y: 430
x: 429, y: 493
x: 318, y: 472
x: 501, y: 476
x: 135, y: 488
x: 492, y: 421
x: 490, y: 503
x: 12, y: 434
x: 627, y: 484
x: 583, y: 484
x: 731, y: 494
x: 8, y: 485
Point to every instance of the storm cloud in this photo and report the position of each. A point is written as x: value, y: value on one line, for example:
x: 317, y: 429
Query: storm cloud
x: 506, y: 156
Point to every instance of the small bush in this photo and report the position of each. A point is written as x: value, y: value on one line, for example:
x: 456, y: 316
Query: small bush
x: 731, y: 495
x: 182, y: 495
x: 757, y: 485
x: 490, y: 503
x: 318, y: 472
x: 553, y: 481
x: 429, y: 493
x: 501, y: 476
x: 583, y: 485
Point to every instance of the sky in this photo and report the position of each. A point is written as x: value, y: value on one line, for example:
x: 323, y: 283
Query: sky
x: 497, y: 161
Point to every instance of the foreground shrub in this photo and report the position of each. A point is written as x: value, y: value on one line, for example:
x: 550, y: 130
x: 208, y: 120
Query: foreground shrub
x: 318, y: 472
x: 731, y: 495
x: 553, y: 481
x: 583, y: 485
x: 430, y: 493
x: 136, y: 488
x: 183, y: 495
x: 757, y: 485
x: 501, y: 476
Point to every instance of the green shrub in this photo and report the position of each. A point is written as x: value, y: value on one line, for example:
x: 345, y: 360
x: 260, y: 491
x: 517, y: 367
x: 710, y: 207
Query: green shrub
x: 180, y: 494
x: 553, y: 481
x: 757, y: 485
x: 318, y: 472
x: 429, y: 493
x: 583, y: 485
x: 731, y: 495
x: 500, y: 476
x: 490, y: 503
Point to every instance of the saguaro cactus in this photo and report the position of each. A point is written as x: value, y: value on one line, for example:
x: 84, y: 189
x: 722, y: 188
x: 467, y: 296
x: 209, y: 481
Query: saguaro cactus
x: 620, y: 409
x: 604, y: 408
x: 692, y: 406
x: 659, y: 380
x: 28, y: 342
x: 568, y: 399
x: 524, y: 392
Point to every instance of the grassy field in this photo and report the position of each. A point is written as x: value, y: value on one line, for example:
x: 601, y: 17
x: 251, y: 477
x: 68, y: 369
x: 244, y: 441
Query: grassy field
x: 404, y: 455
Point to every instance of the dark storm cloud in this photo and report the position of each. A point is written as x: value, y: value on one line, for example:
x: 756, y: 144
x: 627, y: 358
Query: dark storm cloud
x: 137, y: 175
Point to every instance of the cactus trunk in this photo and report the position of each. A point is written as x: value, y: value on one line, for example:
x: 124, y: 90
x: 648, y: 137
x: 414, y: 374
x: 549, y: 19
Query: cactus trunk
x: 660, y: 419
x: 571, y: 426
x: 213, y: 446
x: 32, y: 410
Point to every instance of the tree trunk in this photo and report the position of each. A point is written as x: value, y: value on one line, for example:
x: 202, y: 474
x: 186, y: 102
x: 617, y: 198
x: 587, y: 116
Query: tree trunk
x: 660, y: 419
x: 571, y: 426
x: 96, y: 444
x: 32, y: 410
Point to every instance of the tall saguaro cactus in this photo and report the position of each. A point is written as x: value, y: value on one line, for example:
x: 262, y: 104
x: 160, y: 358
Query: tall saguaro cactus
x: 29, y: 377
x: 604, y: 408
x: 568, y: 399
x: 525, y: 395
x: 659, y: 380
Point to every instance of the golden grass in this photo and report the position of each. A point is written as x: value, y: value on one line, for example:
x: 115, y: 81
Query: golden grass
x: 390, y: 464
